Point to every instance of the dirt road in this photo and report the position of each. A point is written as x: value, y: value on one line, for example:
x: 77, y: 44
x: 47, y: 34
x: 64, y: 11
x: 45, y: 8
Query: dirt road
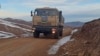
x: 25, y: 46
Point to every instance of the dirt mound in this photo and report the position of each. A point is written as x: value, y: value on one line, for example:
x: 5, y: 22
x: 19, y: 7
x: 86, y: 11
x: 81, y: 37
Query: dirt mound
x: 86, y: 41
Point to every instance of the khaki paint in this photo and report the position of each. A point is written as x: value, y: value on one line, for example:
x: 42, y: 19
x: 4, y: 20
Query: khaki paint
x: 36, y: 19
x: 52, y: 20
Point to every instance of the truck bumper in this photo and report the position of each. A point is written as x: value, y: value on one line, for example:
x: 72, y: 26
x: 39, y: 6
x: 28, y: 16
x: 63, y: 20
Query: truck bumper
x: 44, y: 29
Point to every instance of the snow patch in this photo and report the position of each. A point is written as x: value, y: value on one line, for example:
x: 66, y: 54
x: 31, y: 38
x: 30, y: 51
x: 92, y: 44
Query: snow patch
x: 10, y: 24
x: 55, y: 47
x: 6, y: 34
x: 72, y: 39
x: 27, y: 35
x: 23, y: 25
x: 75, y: 30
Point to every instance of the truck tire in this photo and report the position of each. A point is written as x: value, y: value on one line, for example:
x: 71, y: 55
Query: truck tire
x: 36, y: 34
x: 61, y: 33
x: 56, y: 36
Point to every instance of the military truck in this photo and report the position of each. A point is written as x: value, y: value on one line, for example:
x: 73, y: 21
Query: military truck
x: 48, y: 21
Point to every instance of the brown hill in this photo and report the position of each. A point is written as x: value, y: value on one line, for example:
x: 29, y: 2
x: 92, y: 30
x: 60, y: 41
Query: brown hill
x: 86, y: 41
x: 75, y: 24
x: 20, y: 21
x: 14, y: 27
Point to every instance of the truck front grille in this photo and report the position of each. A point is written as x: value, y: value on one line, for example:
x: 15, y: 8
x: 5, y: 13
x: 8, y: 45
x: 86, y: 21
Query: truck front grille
x: 44, y: 18
x: 44, y: 24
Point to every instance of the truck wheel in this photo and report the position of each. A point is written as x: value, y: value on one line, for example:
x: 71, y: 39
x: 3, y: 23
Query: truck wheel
x: 61, y: 31
x: 61, y: 34
x: 56, y: 36
x: 36, y: 34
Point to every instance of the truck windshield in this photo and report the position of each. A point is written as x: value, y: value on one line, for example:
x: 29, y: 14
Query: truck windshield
x: 45, y: 12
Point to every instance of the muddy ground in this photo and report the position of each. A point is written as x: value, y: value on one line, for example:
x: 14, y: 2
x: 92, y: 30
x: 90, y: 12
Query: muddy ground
x: 25, y: 46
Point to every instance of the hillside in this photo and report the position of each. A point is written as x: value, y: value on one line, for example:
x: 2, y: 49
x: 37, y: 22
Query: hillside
x: 85, y: 42
x: 74, y: 24
x: 20, y: 21
x: 13, y: 27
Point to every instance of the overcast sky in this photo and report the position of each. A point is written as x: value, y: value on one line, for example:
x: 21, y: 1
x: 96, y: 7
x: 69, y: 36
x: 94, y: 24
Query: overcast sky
x: 73, y: 10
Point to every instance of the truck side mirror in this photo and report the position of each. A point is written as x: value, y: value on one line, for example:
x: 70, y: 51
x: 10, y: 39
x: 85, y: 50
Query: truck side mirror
x: 31, y: 13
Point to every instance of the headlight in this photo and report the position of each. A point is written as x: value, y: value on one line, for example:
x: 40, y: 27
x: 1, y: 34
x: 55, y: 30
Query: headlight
x: 53, y: 30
